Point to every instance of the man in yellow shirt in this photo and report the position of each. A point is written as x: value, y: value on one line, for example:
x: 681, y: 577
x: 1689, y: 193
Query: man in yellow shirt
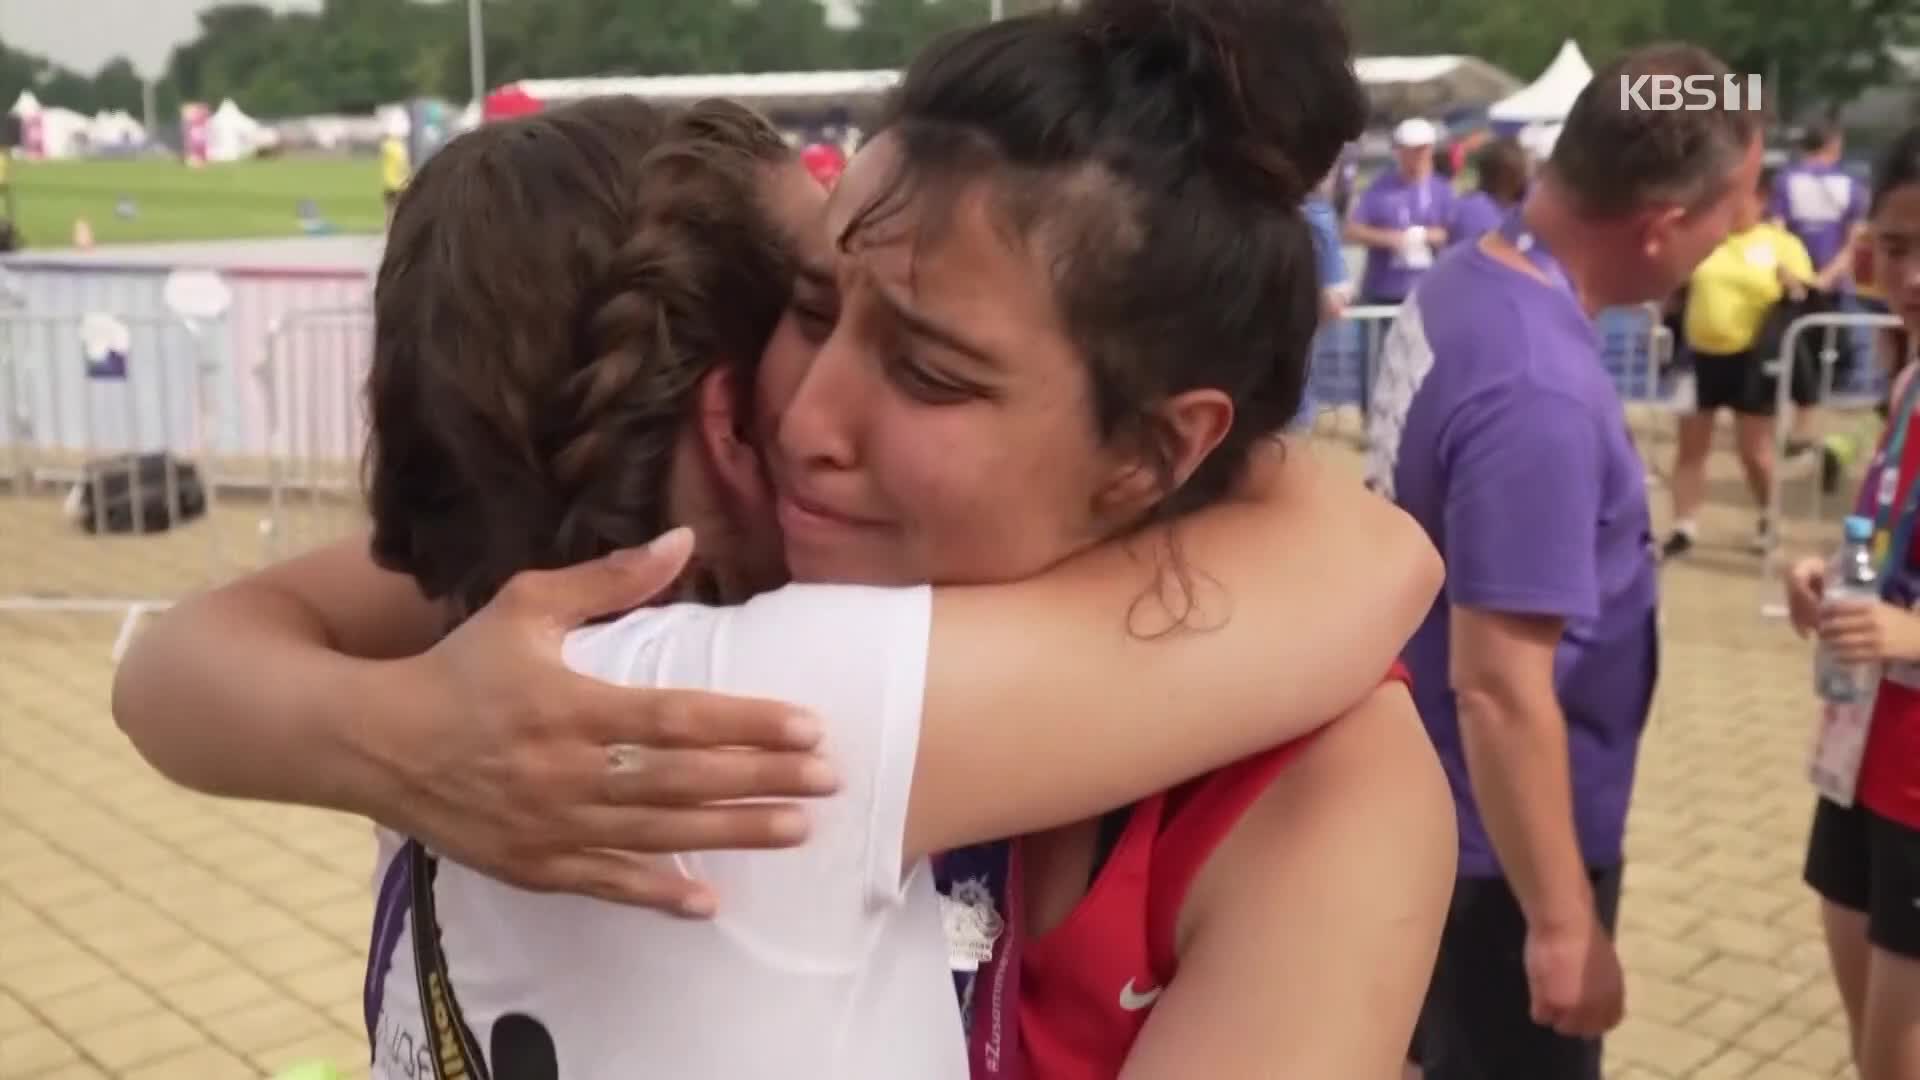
x: 1729, y: 299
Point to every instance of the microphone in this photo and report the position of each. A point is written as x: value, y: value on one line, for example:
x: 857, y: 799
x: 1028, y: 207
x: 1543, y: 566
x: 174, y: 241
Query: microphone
x: 522, y: 1049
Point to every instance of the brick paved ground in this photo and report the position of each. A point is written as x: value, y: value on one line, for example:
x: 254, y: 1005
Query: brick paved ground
x: 148, y: 933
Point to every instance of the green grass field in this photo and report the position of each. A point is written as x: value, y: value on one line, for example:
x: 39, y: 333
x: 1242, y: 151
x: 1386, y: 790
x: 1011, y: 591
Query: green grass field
x: 173, y: 202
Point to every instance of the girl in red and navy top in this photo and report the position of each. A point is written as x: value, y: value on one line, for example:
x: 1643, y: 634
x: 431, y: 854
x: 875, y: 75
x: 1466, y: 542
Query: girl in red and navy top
x: 1864, y: 858
x: 1177, y: 924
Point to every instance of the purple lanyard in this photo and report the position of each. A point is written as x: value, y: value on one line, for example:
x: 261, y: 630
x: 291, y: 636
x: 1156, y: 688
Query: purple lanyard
x: 993, y: 1028
x: 1513, y: 229
x: 389, y: 919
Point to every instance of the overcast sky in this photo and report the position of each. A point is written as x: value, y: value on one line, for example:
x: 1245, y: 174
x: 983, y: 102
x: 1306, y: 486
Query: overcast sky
x: 85, y: 34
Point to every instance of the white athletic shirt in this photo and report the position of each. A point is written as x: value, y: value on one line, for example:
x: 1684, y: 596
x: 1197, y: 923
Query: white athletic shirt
x: 826, y: 961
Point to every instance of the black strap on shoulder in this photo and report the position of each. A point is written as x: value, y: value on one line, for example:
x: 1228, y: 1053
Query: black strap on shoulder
x: 1113, y: 824
x: 456, y: 1054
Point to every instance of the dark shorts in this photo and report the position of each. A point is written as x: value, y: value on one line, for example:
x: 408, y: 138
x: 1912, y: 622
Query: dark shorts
x: 1863, y: 862
x: 1739, y: 382
x: 1476, y: 1024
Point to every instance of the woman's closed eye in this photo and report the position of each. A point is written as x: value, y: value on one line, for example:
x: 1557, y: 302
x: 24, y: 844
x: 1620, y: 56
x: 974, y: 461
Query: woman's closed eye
x: 928, y: 384
x: 813, y: 317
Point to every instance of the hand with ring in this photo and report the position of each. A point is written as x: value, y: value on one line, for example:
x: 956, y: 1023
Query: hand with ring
x: 522, y: 769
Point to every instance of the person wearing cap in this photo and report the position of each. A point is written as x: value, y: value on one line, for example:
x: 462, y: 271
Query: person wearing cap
x: 1401, y: 218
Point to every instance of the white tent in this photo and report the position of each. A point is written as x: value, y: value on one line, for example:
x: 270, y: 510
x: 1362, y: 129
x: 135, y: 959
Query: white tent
x: 1549, y: 98
x: 63, y: 133
x: 395, y: 121
x: 232, y: 134
x: 1400, y: 86
x: 25, y: 105
x: 114, y: 129
x: 1538, y: 139
x: 329, y: 132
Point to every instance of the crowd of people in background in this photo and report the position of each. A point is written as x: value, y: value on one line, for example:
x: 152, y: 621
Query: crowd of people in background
x: 1415, y: 209
x: 1796, y: 250
x: 1792, y: 254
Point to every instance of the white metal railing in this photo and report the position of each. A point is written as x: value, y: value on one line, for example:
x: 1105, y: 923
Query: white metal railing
x: 1865, y: 388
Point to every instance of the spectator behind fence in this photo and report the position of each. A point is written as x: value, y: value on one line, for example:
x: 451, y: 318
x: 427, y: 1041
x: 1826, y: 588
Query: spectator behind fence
x: 1331, y: 264
x: 1504, y: 172
x: 1731, y: 299
x: 1495, y: 424
x: 1821, y: 203
x: 1331, y: 260
x: 1401, y: 218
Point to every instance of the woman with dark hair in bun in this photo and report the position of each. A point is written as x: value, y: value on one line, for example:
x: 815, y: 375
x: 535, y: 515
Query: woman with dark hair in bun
x: 1043, y: 365
x: 1096, y: 215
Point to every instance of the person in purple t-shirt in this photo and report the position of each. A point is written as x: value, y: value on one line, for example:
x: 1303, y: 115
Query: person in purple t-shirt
x: 1494, y: 424
x: 1505, y: 171
x: 1820, y: 202
x: 1401, y: 219
x: 1825, y: 206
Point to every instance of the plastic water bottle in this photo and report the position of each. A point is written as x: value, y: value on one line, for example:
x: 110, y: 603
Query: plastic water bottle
x: 1850, y: 576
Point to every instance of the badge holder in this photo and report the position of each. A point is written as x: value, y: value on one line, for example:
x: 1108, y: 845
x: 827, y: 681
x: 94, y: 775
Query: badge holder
x: 972, y: 929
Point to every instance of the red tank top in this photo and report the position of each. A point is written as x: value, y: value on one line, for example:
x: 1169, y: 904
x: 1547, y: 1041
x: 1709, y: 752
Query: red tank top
x: 1890, y: 772
x: 1087, y: 986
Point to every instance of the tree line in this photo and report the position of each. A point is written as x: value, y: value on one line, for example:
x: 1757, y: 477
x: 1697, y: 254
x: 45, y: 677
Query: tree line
x: 354, y: 54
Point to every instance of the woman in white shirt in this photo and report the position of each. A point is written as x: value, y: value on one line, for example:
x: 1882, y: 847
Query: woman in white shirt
x: 542, y: 394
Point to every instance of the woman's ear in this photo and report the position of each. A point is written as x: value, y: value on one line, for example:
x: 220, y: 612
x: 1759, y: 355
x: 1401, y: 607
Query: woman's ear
x: 1184, y: 430
x: 723, y: 434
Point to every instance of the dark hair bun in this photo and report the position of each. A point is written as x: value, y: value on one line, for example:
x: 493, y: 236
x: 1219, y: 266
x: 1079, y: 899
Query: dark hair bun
x: 1265, y: 87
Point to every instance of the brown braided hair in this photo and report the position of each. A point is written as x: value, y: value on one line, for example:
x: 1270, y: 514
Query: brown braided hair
x: 553, y: 291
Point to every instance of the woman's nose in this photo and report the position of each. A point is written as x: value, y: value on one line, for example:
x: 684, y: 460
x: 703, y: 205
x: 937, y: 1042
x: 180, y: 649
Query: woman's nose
x: 818, y: 427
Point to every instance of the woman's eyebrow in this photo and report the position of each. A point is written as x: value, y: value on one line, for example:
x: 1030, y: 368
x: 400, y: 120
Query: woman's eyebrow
x: 921, y: 325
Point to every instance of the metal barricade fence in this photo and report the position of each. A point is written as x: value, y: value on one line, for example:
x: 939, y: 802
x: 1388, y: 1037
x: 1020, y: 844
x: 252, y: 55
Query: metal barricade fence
x: 274, y: 446
x: 139, y: 462
x: 1343, y: 364
x: 1635, y: 349
x: 1861, y: 384
x: 108, y: 424
x: 312, y: 381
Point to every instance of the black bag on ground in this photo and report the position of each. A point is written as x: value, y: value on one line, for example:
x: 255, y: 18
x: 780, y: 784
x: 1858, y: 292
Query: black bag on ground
x: 138, y: 493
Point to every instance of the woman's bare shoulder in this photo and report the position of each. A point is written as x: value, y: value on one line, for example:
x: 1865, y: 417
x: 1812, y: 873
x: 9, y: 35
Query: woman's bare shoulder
x: 1306, y: 945
x: 1367, y: 792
